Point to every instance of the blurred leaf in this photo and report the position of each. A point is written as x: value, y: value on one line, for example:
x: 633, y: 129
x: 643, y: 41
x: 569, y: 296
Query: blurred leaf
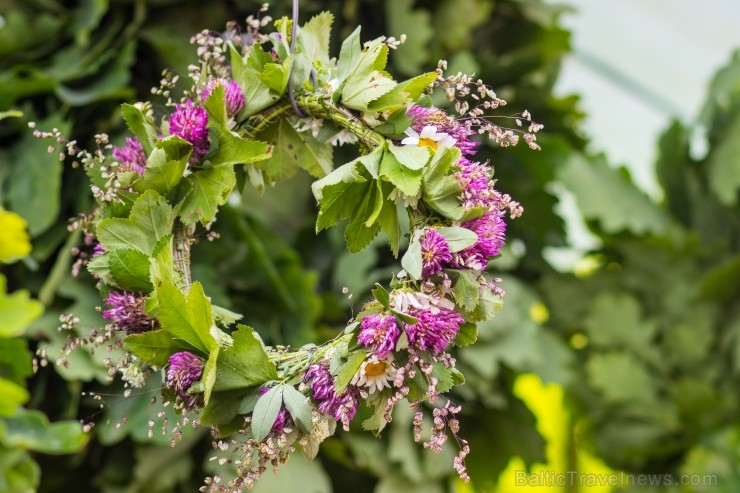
x: 416, y: 25
x: 35, y: 182
x: 621, y: 378
x: 724, y: 162
x: 32, y: 430
x: 17, y: 311
x: 604, y: 196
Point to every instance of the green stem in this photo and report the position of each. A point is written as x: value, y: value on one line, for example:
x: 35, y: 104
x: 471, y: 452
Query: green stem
x: 317, y: 107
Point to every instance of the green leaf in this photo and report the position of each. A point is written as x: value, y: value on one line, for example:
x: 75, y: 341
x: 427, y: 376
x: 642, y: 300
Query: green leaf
x: 440, y: 190
x: 467, y: 335
x: 349, y: 56
x: 347, y: 370
x: 275, y: 77
x: 724, y: 163
x: 130, y: 269
x: 35, y: 181
x: 299, y: 408
x: 402, y: 18
x: 257, y: 95
x: 404, y: 92
x: 604, y: 195
x: 467, y: 289
x: 621, y: 378
x: 358, y: 234
x: 411, y: 260
x: 488, y: 306
x: 444, y: 377
x: 381, y: 295
x: 388, y: 217
x: 245, y: 364
x: 165, y: 165
x: 234, y: 149
x: 154, y: 347
x: 395, y: 125
x: 17, y: 311
x: 140, y: 125
x: 293, y: 150
x: 31, y: 430
x: 266, y: 412
x: 364, y: 81
x: 458, y: 238
x: 162, y: 265
x: 187, y: 320
x: 407, y: 180
x: 215, y: 105
x: 151, y: 218
x: 211, y: 188
x: 413, y: 158
x: 222, y: 408
x: 12, y: 395
x: 313, y: 38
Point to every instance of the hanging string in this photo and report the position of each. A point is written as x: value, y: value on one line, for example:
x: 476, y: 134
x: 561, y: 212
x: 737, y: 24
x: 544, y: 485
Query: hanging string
x: 293, y: 34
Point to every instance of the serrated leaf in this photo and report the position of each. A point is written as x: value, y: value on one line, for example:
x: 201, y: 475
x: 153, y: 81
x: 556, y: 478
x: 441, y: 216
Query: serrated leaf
x: 444, y: 377
x: 165, y: 165
x: 357, y: 233
x: 347, y: 370
x: 313, y: 38
x: 211, y: 188
x: 411, y: 260
x: 140, y: 126
x: 162, y: 263
x: 154, y: 347
x: 185, y: 319
x: 458, y: 238
x: 234, y: 149
x: 407, y: 180
x: 411, y: 157
x: 130, y: 269
x: 293, y: 150
x: 275, y: 77
x: 349, y: 56
x: 441, y: 191
x: 266, y: 412
x: 466, y: 289
x: 365, y: 82
x: 467, y: 335
x: 388, y: 217
x: 245, y: 363
x: 299, y: 408
x: 404, y: 92
x: 151, y: 218
x: 215, y: 105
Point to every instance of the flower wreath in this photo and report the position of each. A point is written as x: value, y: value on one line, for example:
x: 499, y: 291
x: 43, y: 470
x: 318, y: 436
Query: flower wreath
x: 254, y: 98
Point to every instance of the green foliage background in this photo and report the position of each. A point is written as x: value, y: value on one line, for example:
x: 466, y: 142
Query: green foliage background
x: 646, y: 344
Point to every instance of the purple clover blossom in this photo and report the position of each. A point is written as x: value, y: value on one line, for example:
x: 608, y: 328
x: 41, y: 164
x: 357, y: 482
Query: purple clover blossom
x: 491, y: 231
x: 380, y: 333
x: 190, y: 123
x: 422, y: 117
x: 233, y: 95
x: 184, y: 369
x: 435, y: 329
x: 341, y: 407
x: 475, y: 179
x: 126, y: 311
x: 131, y: 156
x: 434, y: 252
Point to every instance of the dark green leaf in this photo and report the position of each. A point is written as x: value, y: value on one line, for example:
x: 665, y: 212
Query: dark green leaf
x: 154, y: 347
x: 130, y: 269
x: 347, y: 370
x: 245, y: 364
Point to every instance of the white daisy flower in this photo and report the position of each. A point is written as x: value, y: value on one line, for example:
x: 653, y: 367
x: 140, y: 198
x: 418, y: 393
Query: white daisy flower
x: 429, y: 137
x: 375, y: 374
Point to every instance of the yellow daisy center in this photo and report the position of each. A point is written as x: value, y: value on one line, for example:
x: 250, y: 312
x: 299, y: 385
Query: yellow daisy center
x: 428, y: 143
x: 375, y: 369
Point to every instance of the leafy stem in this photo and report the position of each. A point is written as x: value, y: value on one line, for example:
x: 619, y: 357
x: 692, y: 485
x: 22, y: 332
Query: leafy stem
x: 317, y: 107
